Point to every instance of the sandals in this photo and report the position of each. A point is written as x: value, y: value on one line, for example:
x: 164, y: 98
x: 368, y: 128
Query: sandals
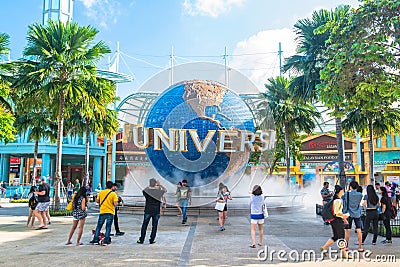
x: 79, y: 244
x: 259, y: 244
x: 253, y: 246
x: 360, y: 250
x: 68, y: 243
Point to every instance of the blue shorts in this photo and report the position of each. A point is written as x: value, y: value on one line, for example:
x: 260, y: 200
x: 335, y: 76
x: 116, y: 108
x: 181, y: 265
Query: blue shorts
x: 357, y: 223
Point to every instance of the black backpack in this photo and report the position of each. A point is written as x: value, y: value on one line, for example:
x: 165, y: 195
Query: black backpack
x: 327, y: 212
x: 32, y: 203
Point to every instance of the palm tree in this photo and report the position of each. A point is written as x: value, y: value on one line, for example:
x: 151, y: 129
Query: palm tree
x: 62, y: 58
x: 6, y: 117
x: 290, y: 117
x: 309, y: 61
x: 92, y: 115
x: 379, y: 122
x: 40, y: 125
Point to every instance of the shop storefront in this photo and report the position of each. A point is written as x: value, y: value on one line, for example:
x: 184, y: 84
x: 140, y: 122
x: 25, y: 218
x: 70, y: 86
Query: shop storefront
x: 321, y: 156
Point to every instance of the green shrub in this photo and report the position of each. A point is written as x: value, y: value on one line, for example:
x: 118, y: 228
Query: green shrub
x: 19, y: 201
x: 61, y: 213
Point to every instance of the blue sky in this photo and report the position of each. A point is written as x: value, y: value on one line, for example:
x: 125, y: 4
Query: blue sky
x: 198, y: 30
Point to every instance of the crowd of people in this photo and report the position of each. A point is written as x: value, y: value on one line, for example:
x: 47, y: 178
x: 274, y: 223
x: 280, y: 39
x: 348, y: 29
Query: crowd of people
x: 348, y: 206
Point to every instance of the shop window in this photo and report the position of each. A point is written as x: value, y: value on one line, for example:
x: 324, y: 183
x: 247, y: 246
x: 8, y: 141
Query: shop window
x: 397, y: 141
x: 378, y: 142
x: 388, y: 141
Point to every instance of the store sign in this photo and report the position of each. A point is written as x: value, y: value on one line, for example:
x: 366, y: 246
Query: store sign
x: 393, y: 179
x: 131, y: 158
x: 324, y: 157
x: 15, y: 161
x: 384, y: 162
x: 324, y: 142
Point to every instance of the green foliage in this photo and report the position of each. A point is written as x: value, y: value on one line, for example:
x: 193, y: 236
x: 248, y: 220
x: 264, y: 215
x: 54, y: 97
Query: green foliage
x: 60, y: 212
x: 62, y: 61
x: 7, y: 130
x: 19, y: 201
x: 291, y: 118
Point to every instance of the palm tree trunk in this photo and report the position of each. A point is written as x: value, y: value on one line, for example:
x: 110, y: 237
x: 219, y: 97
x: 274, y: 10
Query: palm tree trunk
x: 340, y: 148
x: 86, y: 182
x: 371, y: 152
x: 60, y: 137
x: 287, y: 154
x: 35, y: 153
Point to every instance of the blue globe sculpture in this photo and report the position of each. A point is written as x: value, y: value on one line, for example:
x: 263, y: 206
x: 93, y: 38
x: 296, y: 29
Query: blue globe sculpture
x: 204, y: 106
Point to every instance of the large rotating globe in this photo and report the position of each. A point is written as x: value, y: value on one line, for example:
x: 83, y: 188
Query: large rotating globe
x: 203, y: 106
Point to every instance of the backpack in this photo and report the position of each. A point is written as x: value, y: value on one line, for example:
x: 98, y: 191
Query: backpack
x: 32, y: 203
x: 393, y: 211
x: 327, y: 212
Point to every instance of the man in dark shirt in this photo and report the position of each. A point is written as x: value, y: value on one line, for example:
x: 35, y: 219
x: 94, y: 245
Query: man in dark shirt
x: 153, y: 195
x: 326, y: 194
x: 43, y: 204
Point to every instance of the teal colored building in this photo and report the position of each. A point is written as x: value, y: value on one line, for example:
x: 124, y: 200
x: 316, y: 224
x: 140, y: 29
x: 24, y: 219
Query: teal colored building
x: 16, y: 158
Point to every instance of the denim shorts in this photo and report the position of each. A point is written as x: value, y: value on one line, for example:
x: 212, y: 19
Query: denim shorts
x: 357, y: 223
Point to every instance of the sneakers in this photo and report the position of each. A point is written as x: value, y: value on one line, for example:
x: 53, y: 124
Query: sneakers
x: 120, y: 233
x: 386, y: 242
x: 139, y: 241
x: 152, y: 241
x: 94, y: 242
x: 183, y: 222
x: 221, y: 228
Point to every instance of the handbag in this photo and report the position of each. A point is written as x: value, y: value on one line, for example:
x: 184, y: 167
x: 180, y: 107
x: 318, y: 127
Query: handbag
x: 220, y: 206
x: 69, y: 206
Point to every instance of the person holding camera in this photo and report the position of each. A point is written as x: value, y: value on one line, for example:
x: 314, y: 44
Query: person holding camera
x: 153, y: 195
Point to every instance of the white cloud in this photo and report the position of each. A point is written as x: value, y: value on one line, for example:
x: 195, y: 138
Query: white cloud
x: 257, y: 56
x: 88, y: 3
x: 212, y: 8
x: 104, y: 12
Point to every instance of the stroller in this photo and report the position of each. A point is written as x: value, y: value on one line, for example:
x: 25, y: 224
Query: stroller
x: 102, y: 237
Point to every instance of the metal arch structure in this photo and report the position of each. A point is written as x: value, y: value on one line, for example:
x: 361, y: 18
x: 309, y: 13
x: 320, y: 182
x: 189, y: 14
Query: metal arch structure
x: 137, y: 106
x: 252, y: 101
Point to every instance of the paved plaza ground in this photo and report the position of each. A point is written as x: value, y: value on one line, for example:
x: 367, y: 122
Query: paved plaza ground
x: 199, y: 243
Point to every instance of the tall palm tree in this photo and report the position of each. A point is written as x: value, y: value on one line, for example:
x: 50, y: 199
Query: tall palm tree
x: 370, y: 123
x: 290, y: 117
x: 310, y: 60
x: 92, y: 115
x: 6, y: 112
x: 40, y: 125
x: 61, y: 58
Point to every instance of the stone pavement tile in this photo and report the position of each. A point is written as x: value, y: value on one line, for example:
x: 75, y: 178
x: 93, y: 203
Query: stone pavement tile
x: 199, y: 243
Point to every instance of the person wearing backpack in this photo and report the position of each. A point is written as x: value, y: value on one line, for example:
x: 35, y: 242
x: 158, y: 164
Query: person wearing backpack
x: 32, y: 203
x: 107, y: 200
x: 386, y: 214
x: 351, y: 204
x: 339, y: 219
x: 371, y: 202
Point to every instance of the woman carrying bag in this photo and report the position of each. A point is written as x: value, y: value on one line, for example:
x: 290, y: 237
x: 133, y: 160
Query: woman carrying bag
x: 257, y: 216
x: 221, y: 206
x: 79, y: 207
